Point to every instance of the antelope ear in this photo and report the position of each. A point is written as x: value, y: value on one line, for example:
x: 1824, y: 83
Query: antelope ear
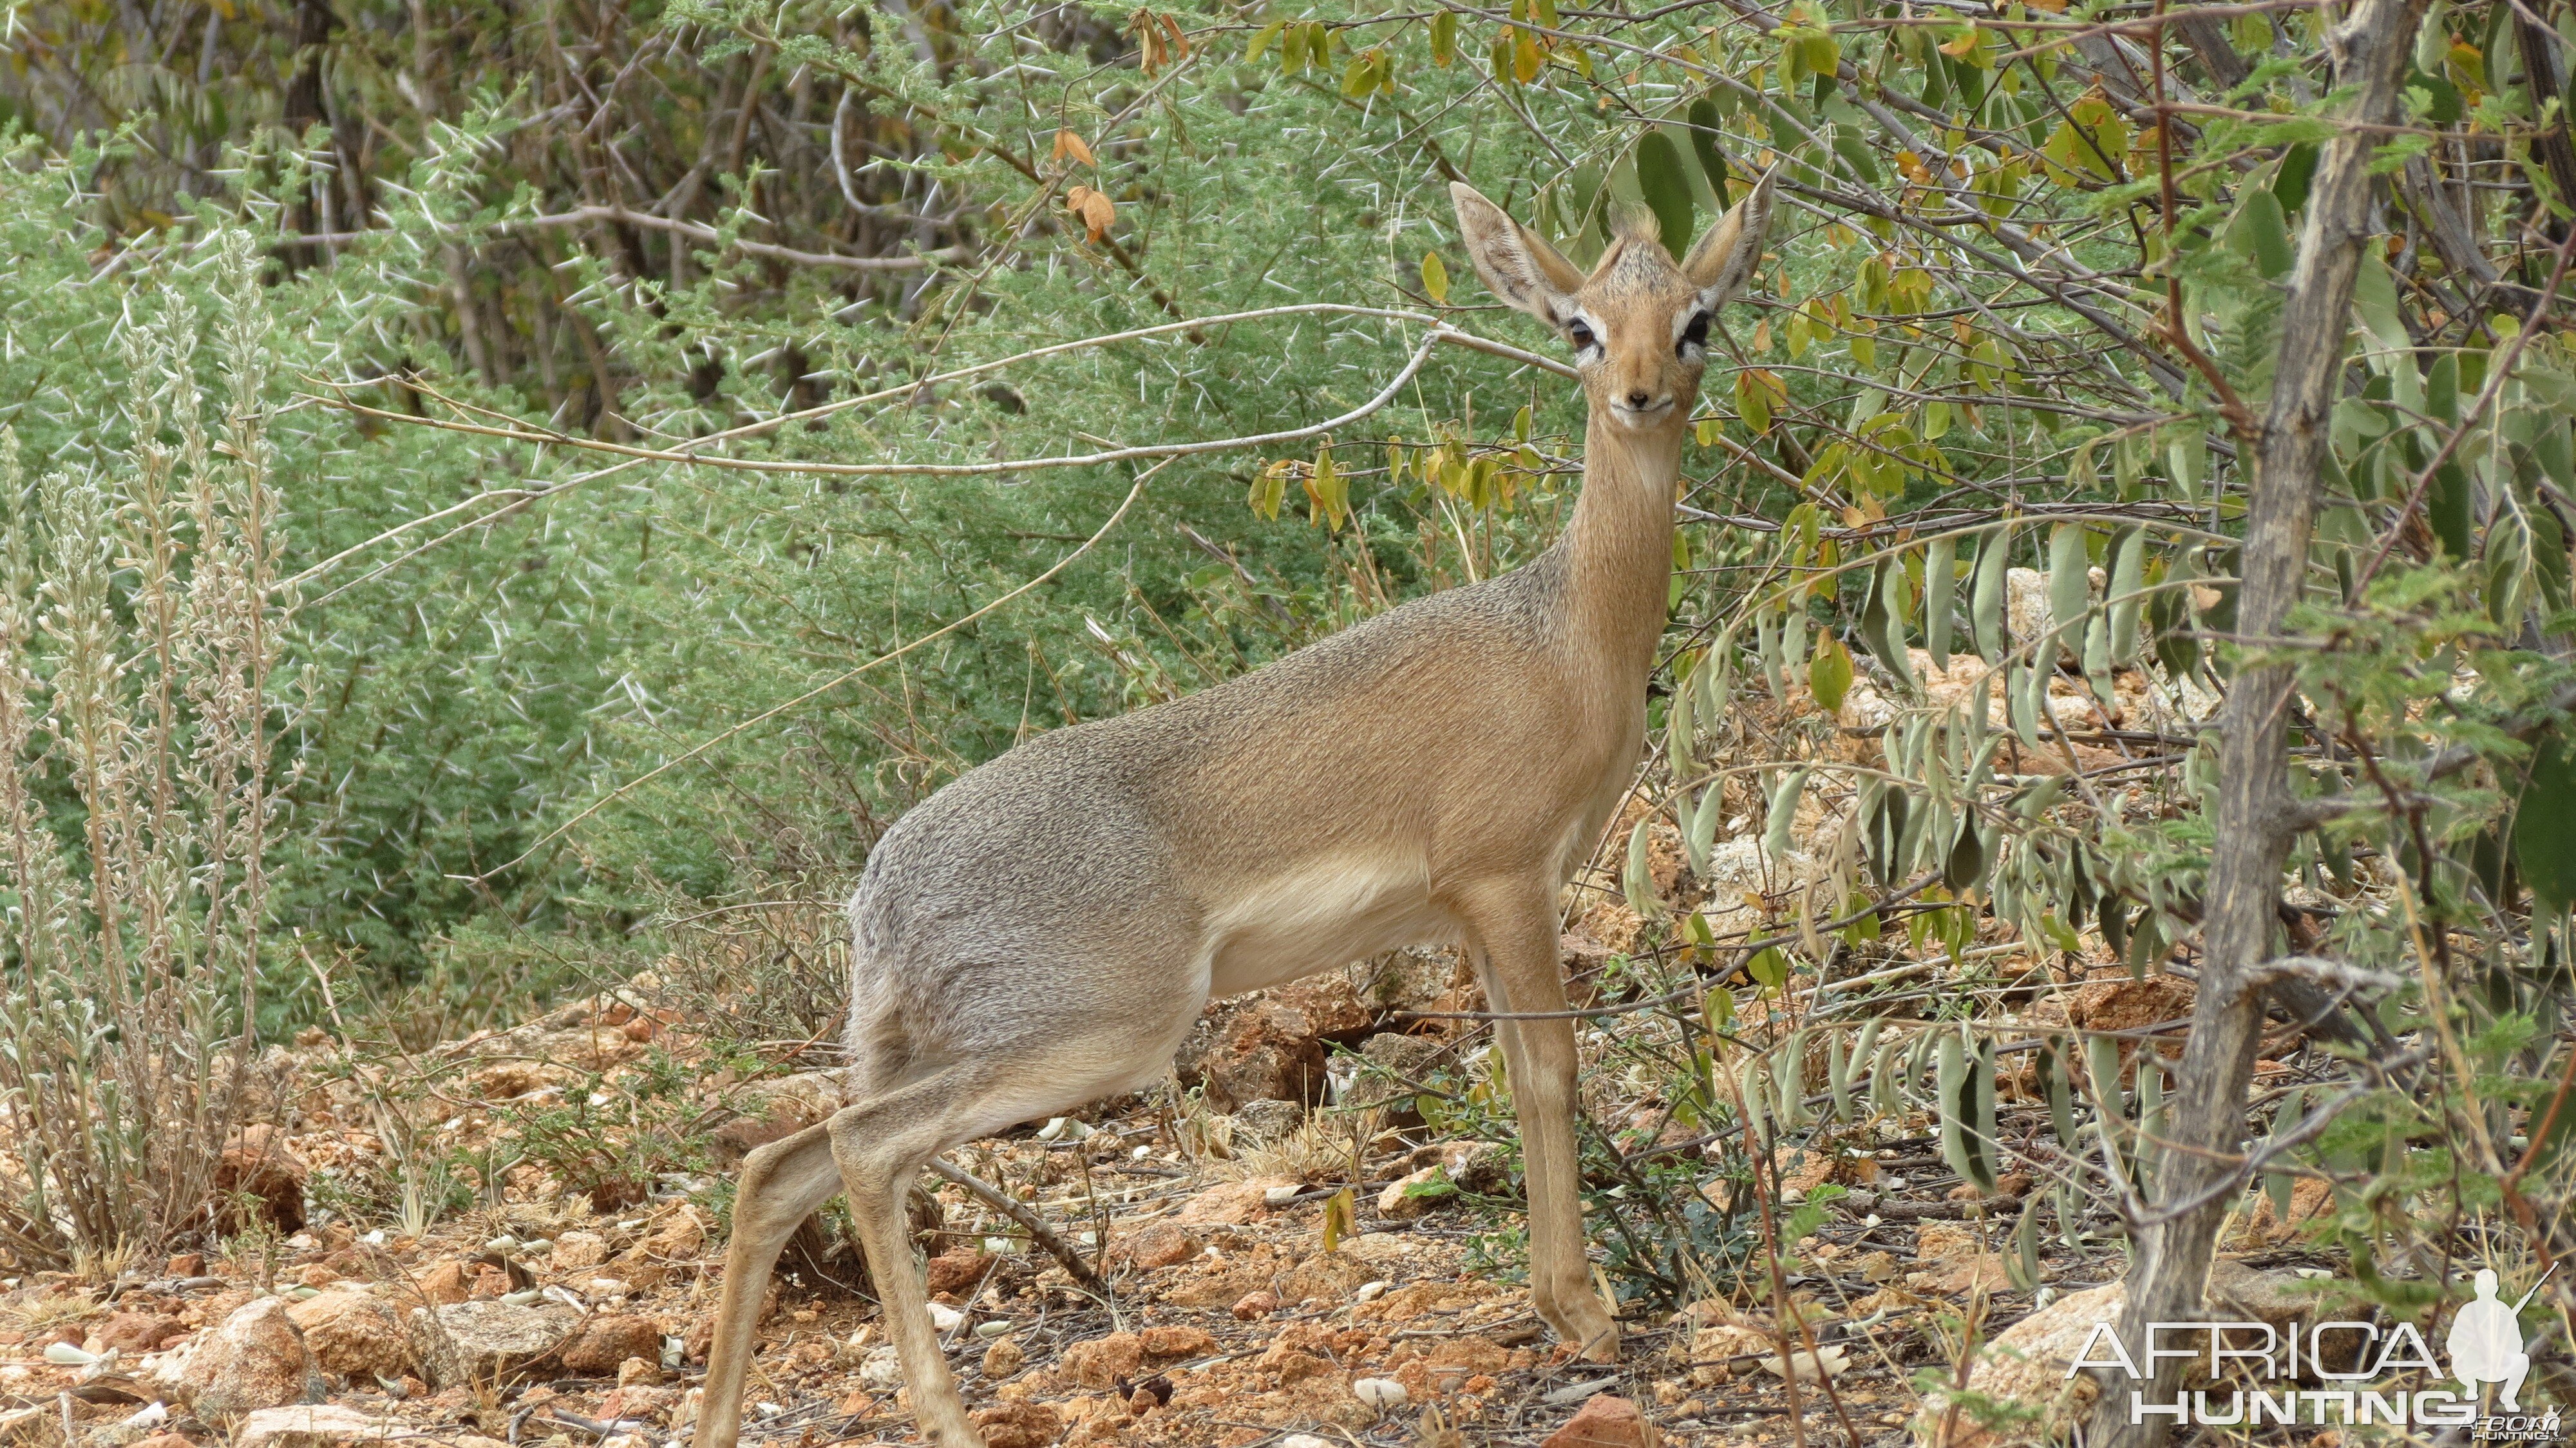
x: 1522, y: 270
x: 1725, y: 258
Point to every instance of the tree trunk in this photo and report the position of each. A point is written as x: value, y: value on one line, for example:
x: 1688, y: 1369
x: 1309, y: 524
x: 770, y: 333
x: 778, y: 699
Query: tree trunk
x: 2169, y: 1268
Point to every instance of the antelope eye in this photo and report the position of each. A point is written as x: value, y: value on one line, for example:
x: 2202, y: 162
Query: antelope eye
x: 1580, y: 335
x: 1696, y: 333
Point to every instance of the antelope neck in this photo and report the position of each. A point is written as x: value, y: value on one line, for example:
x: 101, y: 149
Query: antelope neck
x: 1619, y: 544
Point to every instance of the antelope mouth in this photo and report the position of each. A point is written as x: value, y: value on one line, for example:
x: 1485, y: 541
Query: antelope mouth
x: 1641, y: 416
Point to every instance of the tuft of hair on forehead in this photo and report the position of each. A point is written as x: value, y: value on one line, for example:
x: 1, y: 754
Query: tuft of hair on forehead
x: 1636, y: 223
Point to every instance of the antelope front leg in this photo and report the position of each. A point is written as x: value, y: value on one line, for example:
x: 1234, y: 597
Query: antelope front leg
x: 1518, y: 936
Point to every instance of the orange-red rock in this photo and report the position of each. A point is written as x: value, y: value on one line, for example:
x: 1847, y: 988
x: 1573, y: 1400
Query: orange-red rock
x: 1606, y: 1422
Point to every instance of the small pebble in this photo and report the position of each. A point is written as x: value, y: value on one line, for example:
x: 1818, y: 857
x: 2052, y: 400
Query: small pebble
x: 1372, y: 1291
x: 945, y: 1317
x: 1280, y: 1196
x: 1384, y: 1394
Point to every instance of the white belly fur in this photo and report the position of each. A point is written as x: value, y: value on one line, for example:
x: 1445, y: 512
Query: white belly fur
x: 1326, y: 915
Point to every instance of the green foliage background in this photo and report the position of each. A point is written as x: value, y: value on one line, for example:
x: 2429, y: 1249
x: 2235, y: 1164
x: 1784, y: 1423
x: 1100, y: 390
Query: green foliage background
x: 2023, y: 310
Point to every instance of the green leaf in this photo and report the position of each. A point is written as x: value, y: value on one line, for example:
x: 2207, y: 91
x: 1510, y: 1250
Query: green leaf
x: 1639, y: 880
x: 2290, y: 182
x: 2021, y: 1264
x: 1829, y: 675
x: 1783, y: 810
x: 2061, y: 1098
x: 2128, y: 578
x: 2267, y: 234
x: 2070, y: 590
x: 1986, y: 619
x: 1880, y: 627
x: 1444, y: 38
x: 1435, y: 272
x: 1940, y: 586
x: 2442, y: 98
x: 1666, y: 187
x: 2374, y: 301
x: 1704, y: 130
x: 1768, y: 968
x: 1966, y: 863
x: 2544, y: 823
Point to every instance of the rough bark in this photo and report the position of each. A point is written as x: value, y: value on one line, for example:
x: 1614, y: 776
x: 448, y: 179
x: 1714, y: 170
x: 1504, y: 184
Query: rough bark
x: 2207, y: 37
x: 2540, y: 76
x: 2169, y: 1269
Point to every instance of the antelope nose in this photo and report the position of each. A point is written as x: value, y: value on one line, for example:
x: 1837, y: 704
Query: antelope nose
x: 1637, y: 401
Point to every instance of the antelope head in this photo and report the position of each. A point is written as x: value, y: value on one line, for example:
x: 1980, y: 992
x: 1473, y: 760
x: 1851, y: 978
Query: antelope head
x: 1638, y: 325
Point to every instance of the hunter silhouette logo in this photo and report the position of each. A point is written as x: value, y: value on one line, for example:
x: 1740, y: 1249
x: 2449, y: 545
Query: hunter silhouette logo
x: 2486, y: 1342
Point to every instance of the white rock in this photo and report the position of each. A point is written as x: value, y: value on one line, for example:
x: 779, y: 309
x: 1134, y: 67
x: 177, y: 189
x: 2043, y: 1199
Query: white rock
x: 1281, y: 1196
x: 472, y: 1342
x: 944, y: 1317
x: 1303, y: 1440
x: 1384, y: 1394
x: 315, y: 1425
x: 1372, y: 1291
x: 882, y: 1368
x: 1831, y: 1355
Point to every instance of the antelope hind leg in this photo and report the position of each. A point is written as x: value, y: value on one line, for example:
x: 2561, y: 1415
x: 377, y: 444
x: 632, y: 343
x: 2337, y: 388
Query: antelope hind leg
x: 781, y: 1184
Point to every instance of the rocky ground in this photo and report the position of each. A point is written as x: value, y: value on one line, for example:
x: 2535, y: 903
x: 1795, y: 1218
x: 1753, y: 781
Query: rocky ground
x: 546, y: 1315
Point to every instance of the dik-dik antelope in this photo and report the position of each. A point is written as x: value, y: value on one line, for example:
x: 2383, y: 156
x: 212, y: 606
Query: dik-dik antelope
x: 1043, y: 932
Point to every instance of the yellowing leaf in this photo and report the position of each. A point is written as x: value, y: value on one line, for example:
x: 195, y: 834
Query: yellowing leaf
x: 1759, y: 393
x: 1341, y: 1215
x: 2088, y: 142
x: 1435, y: 275
x: 1328, y: 490
x: 1829, y: 674
x: 1270, y: 489
x: 1444, y: 38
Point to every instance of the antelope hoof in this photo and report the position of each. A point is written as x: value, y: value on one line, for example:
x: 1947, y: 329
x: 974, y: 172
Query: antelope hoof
x: 1592, y: 1331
